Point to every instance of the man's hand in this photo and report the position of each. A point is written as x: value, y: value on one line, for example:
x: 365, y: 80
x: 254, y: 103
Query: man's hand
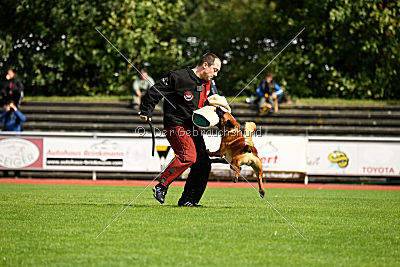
x: 143, y: 117
x: 12, y: 105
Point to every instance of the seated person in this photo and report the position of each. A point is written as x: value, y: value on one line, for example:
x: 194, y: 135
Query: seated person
x: 270, y: 94
x: 12, y: 118
x: 140, y: 86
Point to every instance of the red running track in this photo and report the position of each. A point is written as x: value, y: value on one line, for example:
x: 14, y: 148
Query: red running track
x: 210, y: 184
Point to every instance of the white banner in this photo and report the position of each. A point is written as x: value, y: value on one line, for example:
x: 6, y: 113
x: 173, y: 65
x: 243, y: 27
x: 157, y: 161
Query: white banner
x: 102, y: 154
x: 286, y: 155
x: 353, y: 158
x: 281, y: 156
x: 21, y: 153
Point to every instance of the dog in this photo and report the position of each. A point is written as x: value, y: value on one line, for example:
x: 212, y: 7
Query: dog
x: 237, y: 149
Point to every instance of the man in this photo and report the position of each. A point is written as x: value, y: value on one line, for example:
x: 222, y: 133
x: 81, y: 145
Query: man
x: 12, y: 118
x: 14, y: 89
x: 269, y: 89
x: 140, y: 86
x: 185, y: 91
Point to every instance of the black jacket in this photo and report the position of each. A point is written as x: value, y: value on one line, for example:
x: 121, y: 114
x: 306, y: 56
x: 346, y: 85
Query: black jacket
x: 15, y: 85
x: 184, y: 92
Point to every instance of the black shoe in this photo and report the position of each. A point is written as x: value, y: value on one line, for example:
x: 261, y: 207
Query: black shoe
x: 159, y: 192
x: 187, y: 204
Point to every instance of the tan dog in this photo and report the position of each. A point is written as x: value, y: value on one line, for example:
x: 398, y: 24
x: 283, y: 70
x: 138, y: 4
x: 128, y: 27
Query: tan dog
x: 237, y: 149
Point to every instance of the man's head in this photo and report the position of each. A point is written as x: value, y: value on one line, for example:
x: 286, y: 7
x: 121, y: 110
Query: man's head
x: 11, y: 106
x: 269, y: 77
x: 10, y: 74
x: 208, y: 66
x: 143, y: 75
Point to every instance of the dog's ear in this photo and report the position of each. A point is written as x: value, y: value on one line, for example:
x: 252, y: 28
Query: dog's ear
x: 220, y: 112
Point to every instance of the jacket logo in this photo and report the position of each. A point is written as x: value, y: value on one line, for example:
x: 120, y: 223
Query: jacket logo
x: 188, y: 96
x: 165, y: 81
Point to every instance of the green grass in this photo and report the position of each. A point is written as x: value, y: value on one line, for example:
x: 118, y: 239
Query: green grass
x: 239, y: 99
x: 57, y: 225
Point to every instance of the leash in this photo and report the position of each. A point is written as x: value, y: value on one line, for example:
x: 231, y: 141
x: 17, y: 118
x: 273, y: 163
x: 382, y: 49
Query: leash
x: 153, y: 136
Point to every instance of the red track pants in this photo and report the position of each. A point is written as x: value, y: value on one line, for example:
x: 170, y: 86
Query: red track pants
x: 181, y: 140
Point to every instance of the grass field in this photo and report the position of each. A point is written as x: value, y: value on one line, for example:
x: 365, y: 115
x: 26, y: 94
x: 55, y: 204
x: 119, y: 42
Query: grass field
x: 57, y: 225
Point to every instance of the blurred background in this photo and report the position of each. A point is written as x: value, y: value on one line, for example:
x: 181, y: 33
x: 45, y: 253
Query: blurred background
x: 349, y: 49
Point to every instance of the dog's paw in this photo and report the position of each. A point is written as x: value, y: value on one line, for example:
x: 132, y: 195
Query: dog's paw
x: 262, y: 194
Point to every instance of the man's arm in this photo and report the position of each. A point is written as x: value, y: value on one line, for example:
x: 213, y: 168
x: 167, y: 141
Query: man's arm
x: 18, y: 113
x: 18, y: 85
x: 3, y: 117
x: 278, y: 89
x: 150, y: 82
x: 154, y: 94
x: 135, y: 86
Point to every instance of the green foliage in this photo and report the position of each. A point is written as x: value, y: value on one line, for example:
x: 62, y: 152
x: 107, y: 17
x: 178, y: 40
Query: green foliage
x: 56, y: 225
x: 349, y: 49
x: 353, y: 47
x: 55, y: 48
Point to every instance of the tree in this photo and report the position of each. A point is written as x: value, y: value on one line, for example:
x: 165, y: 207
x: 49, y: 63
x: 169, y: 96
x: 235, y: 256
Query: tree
x: 349, y: 48
x: 56, y: 49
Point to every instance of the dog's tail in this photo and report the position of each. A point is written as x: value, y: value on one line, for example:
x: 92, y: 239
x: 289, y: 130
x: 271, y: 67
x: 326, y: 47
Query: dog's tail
x: 249, y: 129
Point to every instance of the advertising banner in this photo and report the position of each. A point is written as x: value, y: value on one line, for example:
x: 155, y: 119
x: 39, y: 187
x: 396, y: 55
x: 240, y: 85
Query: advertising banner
x: 21, y: 153
x: 102, y: 154
x: 281, y: 157
x: 353, y: 158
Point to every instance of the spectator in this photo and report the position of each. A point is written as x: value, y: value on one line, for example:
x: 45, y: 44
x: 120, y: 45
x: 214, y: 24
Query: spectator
x: 12, y: 118
x: 188, y: 89
x: 270, y: 94
x: 14, y: 89
x: 140, y: 86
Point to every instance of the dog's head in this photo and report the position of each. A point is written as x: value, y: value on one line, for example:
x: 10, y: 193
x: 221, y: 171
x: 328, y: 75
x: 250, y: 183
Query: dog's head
x: 226, y: 120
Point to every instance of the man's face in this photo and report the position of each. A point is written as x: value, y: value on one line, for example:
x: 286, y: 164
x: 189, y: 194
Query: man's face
x: 268, y: 79
x: 211, y: 71
x: 144, y: 75
x: 11, y: 74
